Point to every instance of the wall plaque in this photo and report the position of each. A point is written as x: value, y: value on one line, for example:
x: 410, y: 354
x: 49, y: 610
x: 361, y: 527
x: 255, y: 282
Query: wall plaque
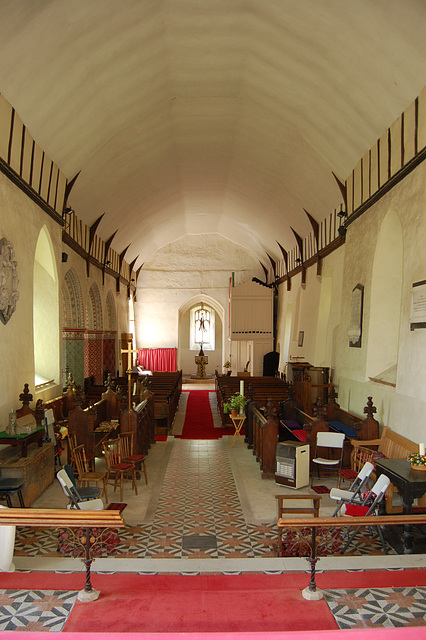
x: 8, y: 281
x: 418, y: 305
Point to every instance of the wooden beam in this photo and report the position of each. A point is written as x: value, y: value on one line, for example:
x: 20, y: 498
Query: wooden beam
x: 120, y: 262
x: 315, y: 227
x: 299, y: 241
x: 343, y: 190
x: 274, y: 265
x: 68, y: 188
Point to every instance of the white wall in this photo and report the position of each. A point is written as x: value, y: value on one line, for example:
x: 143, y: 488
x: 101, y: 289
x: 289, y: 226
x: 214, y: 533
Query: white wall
x: 326, y: 319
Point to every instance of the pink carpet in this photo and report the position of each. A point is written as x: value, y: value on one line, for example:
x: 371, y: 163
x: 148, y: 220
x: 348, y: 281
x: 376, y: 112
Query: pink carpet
x: 198, y: 423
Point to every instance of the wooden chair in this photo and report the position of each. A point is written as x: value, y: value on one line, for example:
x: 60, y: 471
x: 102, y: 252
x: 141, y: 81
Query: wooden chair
x: 126, y: 446
x: 72, y: 444
x: 312, y: 510
x: 360, y: 456
x: 117, y: 469
x: 84, y: 475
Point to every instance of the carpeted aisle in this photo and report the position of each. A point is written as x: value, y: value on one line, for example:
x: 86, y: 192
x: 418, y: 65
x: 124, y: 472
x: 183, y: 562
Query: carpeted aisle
x: 198, y: 423
x: 259, y: 603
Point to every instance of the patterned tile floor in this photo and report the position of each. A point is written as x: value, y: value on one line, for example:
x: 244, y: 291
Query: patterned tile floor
x: 35, y: 610
x: 198, y: 515
x: 385, y: 607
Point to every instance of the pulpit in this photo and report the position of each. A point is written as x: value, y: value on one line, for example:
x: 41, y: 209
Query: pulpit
x: 201, y: 360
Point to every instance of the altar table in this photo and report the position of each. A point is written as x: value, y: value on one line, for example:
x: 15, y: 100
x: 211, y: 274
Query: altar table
x: 23, y: 439
x: 411, y: 484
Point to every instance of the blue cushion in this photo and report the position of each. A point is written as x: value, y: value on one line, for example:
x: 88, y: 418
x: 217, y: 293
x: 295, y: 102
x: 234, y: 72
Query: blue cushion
x: 292, y: 424
x: 342, y: 428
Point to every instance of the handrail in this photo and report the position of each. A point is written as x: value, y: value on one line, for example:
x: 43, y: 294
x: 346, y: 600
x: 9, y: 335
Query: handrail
x: 70, y: 518
x: 60, y: 518
x: 416, y: 518
x: 311, y: 592
x: 260, y: 417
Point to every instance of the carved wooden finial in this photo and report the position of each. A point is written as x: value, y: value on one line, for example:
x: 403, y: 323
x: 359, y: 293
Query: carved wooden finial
x: 370, y: 410
x: 78, y: 395
x: 70, y: 381
x: 319, y: 410
x: 332, y: 394
x: 271, y: 411
x: 26, y: 397
x: 250, y: 392
x: 108, y: 382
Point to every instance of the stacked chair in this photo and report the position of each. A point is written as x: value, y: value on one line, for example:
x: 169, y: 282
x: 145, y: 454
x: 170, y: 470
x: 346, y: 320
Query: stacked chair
x: 355, y: 503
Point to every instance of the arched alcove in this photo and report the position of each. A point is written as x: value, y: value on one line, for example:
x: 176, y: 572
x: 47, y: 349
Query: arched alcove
x: 186, y: 355
x: 94, y: 309
x: 385, y: 303
x: 73, y: 328
x: 45, y: 312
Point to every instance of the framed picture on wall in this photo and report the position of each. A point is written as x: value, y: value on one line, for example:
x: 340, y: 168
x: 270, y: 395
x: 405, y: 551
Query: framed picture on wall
x: 300, y: 339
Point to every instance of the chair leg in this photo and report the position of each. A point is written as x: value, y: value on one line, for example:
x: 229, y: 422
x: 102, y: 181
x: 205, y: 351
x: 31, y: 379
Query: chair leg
x: 21, y: 499
x: 8, y: 500
x: 144, y: 471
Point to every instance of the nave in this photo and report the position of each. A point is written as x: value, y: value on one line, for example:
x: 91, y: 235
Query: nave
x: 206, y: 512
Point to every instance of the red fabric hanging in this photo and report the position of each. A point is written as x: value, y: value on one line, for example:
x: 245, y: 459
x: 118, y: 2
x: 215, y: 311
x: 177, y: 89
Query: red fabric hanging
x: 158, y: 359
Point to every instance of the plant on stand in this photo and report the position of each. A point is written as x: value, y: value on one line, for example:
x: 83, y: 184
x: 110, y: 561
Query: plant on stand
x: 235, y: 404
x: 227, y: 368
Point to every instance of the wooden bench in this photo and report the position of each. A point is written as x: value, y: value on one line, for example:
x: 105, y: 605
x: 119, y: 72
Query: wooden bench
x: 389, y: 445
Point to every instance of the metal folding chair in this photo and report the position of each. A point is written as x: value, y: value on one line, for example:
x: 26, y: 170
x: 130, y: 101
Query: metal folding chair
x: 368, y: 507
x: 354, y: 491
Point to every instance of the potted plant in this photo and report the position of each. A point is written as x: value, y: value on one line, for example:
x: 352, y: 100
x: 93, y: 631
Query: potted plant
x: 235, y: 404
x: 227, y: 367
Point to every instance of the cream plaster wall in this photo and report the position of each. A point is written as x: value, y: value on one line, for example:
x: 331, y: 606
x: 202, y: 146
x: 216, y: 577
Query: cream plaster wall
x: 402, y: 408
x: 323, y: 311
x: 195, y: 265
x: 20, y: 222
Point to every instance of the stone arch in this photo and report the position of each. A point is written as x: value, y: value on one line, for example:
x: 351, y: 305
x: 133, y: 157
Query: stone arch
x: 72, y: 301
x: 385, y: 302
x: 94, y: 309
x: 111, y: 316
x: 185, y: 356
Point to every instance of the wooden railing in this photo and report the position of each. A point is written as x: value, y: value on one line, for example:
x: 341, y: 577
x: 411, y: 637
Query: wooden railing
x: 67, y: 518
x: 408, y: 520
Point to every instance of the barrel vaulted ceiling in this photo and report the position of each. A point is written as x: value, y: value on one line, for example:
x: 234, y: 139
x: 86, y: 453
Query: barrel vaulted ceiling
x: 209, y: 116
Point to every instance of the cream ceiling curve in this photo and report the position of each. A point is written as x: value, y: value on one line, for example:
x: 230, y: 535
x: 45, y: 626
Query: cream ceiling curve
x: 209, y: 116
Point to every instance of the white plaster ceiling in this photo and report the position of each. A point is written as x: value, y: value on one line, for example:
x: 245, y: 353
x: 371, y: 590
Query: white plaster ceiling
x: 209, y: 116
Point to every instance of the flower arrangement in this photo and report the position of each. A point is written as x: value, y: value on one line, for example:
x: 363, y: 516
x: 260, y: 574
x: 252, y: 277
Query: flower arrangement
x: 227, y: 365
x: 236, y: 402
x: 417, y: 459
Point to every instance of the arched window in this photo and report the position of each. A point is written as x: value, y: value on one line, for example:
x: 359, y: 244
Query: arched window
x: 202, y: 333
x: 45, y: 313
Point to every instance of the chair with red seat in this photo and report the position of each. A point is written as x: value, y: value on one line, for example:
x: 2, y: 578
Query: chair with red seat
x: 126, y: 439
x: 117, y: 469
x: 369, y: 506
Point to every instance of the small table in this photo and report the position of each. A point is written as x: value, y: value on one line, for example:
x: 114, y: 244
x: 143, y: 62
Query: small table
x: 411, y: 483
x: 24, y: 439
x: 238, y: 422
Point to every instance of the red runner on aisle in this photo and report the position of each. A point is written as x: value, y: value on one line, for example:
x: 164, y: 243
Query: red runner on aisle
x: 198, y: 423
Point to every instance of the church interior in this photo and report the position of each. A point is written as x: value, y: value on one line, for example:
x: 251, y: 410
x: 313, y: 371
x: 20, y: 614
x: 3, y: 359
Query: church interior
x: 200, y: 199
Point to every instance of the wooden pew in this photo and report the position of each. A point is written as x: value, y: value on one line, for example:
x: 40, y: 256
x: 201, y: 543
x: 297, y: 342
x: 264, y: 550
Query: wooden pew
x: 141, y: 422
x: 265, y: 436
x: 261, y: 389
x: 166, y: 388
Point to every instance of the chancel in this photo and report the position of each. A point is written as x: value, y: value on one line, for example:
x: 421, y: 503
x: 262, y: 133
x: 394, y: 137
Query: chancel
x: 189, y: 184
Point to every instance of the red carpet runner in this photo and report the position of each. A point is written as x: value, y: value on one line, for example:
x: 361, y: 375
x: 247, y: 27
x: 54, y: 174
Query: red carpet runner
x: 213, y: 603
x: 198, y: 423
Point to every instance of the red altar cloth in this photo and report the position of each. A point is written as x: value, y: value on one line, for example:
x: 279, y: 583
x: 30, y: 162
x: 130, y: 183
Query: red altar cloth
x: 158, y: 359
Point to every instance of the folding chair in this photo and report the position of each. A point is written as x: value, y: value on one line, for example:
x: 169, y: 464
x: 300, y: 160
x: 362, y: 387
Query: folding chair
x: 333, y: 442
x: 354, y: 492
x: 84, y: 493
x: 10, y: 486
x: 368, y: 507
x: 51, y: 435
x: 72, y: 494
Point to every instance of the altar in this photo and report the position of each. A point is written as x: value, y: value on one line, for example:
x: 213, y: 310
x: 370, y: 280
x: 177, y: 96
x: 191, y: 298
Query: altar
x: 201, y: 360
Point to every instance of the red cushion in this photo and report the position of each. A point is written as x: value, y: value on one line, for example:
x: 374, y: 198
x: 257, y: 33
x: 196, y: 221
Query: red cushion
x: 301, y: 434
x: 122, y: 466
x: 356, y: 510
x: 135, y: 458
x: 348, y: 474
